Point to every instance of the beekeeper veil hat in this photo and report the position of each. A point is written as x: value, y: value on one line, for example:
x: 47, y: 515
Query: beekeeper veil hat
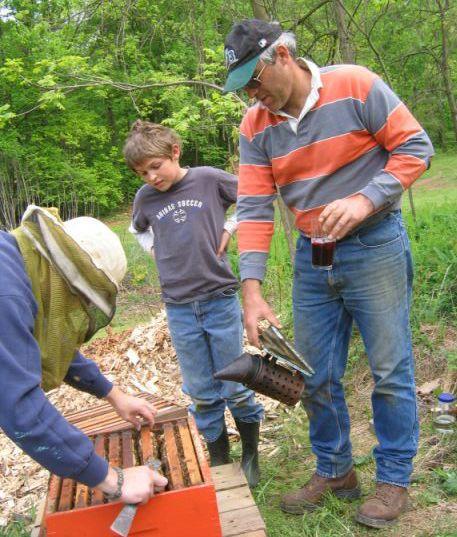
x: 102, y: 245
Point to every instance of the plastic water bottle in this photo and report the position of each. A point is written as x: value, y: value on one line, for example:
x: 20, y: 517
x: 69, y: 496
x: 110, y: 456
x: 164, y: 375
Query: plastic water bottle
x: 444, y: 419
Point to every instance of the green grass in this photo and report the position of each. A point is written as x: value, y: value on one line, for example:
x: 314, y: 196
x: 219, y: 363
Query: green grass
x: 293, y: 464
x: 15, y: 529
x: 434, y: 242
x: 442, y: 182
x: 19, y: 527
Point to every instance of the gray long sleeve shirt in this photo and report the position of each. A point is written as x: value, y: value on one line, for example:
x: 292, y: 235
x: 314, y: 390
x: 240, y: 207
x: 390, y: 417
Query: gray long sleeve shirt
x: 188, y: 221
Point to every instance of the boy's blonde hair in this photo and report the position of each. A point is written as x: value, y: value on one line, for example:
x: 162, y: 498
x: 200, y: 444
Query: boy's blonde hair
x: 149, y: 140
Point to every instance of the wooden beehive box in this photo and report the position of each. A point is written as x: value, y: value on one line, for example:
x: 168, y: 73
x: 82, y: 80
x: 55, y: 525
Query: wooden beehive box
x: 187, y: 508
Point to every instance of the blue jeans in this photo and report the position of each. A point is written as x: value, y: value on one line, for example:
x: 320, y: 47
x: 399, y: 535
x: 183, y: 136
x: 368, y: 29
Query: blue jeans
x: 207, y: 336
x: 370, y: 283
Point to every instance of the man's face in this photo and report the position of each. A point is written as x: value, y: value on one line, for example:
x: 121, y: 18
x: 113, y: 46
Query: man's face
x: 275, y: 85
x: 159, y: 172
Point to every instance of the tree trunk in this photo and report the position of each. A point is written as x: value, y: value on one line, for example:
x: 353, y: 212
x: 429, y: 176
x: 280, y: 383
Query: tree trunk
x: 112, y: 124
x: 443, y: 7
x: 259, y: 10
x: 346, y: 49
x: 287, y: 218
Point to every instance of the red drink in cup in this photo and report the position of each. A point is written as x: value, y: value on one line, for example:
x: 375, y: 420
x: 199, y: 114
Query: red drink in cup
x: 322, y: 248
x: 322, y: 252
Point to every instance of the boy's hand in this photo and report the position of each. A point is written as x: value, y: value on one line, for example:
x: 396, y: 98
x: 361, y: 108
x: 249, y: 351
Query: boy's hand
x: 225, y: 239
x: 130, y: 408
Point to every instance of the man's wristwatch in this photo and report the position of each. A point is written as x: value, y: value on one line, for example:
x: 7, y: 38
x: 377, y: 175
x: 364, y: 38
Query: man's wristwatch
x: 120, y: 481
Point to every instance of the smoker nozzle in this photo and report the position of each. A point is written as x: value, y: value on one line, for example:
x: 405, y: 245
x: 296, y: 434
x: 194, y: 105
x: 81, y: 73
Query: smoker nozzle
x: 264, y: 375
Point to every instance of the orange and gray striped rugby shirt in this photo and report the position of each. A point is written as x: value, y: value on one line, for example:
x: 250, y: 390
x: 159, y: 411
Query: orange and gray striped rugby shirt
x: 357, y: 138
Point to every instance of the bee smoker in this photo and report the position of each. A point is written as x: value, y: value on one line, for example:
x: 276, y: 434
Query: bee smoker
x: 279, y: 373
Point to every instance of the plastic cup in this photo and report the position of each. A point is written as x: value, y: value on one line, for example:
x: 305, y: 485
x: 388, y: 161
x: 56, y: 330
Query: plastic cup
x: 322, y: 248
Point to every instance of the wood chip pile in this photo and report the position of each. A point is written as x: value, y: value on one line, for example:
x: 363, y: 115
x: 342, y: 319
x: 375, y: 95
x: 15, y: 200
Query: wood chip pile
x: 142, y: 359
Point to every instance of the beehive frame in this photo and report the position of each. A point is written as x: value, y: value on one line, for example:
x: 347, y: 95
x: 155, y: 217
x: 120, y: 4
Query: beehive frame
x: 187, y: 508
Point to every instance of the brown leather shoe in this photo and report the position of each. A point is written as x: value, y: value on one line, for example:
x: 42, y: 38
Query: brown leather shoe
x: 308, y: 497
x: 384, y: 507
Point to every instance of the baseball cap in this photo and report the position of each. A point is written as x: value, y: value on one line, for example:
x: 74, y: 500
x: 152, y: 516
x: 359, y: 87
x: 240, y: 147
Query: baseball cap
x: 243, y: 46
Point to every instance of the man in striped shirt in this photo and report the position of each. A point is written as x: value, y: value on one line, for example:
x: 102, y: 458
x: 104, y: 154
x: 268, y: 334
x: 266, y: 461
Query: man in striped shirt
x: 340, y: 147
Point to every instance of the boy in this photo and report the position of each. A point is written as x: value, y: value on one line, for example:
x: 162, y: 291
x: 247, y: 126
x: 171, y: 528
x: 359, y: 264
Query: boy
x: 185, y: 209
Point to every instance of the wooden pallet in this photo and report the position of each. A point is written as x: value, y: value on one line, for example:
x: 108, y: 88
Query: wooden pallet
x: 239, y: 515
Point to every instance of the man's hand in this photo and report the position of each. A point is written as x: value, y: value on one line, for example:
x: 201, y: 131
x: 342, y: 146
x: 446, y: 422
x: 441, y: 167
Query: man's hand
x: 225, y: 239
x: 341, y: 216
x: 140, y: 484
x: 255, y: 309
x: 130, y: 408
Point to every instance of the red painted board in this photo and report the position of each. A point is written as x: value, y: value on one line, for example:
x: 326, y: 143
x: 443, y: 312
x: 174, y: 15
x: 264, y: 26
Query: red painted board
x: 190, y: 512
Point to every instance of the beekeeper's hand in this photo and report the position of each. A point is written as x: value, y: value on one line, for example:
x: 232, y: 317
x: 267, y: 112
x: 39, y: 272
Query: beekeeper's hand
x: 255, y: 309
x: 138, y: 484
x: 131, y: 408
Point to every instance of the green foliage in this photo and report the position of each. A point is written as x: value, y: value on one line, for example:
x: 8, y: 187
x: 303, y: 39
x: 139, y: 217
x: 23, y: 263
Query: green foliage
x: 15, y: 529
x: 64, y: 102
x: 447, y: 480
x: 5, y: 115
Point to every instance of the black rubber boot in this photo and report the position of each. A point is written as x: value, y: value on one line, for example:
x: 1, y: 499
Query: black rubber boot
x: 219, y: 450
x: 249, y: 433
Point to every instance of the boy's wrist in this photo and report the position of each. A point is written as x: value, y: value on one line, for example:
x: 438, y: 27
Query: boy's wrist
x: 230, y: 227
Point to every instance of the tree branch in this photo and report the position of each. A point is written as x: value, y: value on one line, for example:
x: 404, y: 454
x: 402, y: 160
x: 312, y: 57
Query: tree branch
x: 331, y: 33
x: 128, y: 87
x: 353, y: 14
x: 310, y: 12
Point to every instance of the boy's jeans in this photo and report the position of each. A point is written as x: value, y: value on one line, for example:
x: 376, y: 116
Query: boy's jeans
x: 371, y: 283
x: 207, y: 335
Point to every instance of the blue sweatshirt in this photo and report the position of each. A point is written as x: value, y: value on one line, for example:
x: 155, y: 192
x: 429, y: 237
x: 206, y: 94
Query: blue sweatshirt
x: 26, y: 415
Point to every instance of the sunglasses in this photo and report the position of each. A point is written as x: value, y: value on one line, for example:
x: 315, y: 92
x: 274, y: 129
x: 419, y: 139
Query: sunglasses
x: 254, y: 82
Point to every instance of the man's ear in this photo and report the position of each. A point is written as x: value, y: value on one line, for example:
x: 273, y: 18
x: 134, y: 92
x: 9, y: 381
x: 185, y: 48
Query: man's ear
x: 175, y: 152
x: 282, y: 54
